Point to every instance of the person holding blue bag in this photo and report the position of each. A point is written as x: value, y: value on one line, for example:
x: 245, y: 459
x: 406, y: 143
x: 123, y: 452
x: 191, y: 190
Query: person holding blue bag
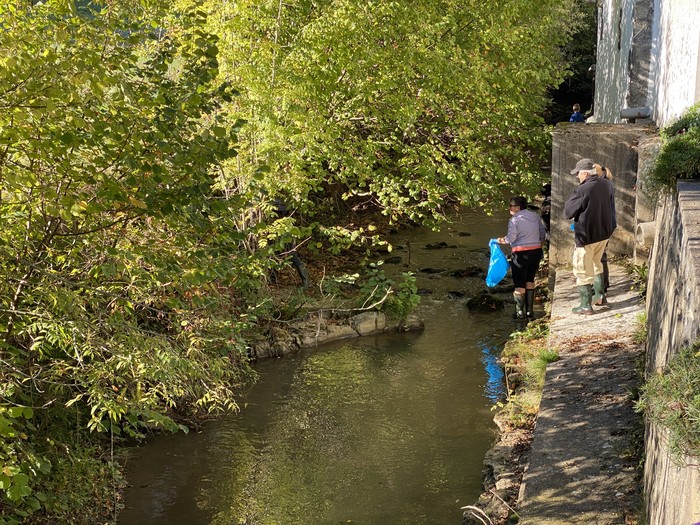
x: 498, y: 264
x: 526, y: 233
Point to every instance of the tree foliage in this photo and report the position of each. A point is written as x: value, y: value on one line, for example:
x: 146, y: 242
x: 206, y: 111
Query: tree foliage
x: 406, y: 104
x: 136, y: 206
x: 119, y: 259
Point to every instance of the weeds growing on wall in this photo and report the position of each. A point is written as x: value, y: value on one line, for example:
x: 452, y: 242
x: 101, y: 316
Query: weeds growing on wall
x: 640, y: 332
x: 640, y: 277
x: 672, y: 399
x: 679, y: 157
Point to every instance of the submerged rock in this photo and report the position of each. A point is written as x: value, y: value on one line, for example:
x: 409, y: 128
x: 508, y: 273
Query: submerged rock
x: 469, y: 271
x: 431, y: 271
x: 436, y: 246
x: 485, y: 302
x: 393, y: 260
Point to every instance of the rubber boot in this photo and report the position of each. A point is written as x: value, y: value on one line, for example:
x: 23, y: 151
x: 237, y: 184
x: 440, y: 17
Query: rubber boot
x: 519, y: 306
x: 585, y: 293
x: 530, y: 303
x: 599, y: 289
x: 301, y: 270
x: 606, y: 275
x: 305, y: 281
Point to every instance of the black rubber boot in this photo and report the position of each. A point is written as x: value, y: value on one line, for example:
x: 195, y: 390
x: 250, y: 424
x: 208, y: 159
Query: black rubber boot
x: 301, y: 270
x: 606, y: 274
x: 599, y: 289
x: 305, y: 281
x: 519, y: 306
x: 585, y: 293
x: 530, y: 304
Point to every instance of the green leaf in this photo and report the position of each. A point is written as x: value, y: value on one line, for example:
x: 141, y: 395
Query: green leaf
x: 17, y: 492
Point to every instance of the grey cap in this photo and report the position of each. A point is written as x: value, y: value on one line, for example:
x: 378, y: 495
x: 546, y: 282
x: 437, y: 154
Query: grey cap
x: 583, y: 164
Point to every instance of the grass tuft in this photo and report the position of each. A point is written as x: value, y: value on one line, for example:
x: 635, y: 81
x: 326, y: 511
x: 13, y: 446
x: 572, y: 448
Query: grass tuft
x: 672, y: 399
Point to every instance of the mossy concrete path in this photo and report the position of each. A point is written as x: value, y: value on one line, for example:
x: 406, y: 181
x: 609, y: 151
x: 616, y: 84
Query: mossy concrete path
x: 583, y: 460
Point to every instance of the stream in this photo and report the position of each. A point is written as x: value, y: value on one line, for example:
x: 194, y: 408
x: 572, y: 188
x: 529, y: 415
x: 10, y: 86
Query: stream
x: 379, y: 430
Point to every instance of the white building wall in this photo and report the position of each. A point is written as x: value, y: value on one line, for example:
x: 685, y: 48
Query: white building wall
x: 612, y: 71
x: 676, y: 55
x: 674, y: 76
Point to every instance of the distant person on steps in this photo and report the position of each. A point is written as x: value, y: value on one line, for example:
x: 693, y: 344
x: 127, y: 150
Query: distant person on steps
x: 577, y: 116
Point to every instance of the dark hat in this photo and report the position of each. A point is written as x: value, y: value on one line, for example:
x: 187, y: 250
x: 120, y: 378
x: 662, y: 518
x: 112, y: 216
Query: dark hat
x: 583, y: 164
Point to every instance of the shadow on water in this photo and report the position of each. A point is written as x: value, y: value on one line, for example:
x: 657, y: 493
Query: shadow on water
x: 378, y: 430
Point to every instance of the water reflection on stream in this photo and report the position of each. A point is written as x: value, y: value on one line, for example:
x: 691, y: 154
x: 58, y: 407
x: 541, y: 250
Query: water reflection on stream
x: 375, y: 431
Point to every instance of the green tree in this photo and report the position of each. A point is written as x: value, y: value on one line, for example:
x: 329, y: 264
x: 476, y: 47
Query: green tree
x: 405, y: 104
x: 120, y: 259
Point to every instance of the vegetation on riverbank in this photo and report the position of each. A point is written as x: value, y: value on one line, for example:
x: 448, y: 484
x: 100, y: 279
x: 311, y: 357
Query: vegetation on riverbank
x: 679, y: 156
x: 672, y: 400
x: 143, y: 146
x: 525, y: 358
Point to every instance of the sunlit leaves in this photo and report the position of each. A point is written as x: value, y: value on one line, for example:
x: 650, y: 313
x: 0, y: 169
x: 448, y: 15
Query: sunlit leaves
x: 111, y: 136
x: 412, y: 102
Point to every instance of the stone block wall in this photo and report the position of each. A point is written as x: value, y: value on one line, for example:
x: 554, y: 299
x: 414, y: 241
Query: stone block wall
x: 624, y: 68
x: 672, y: 490
x: 612, y: 145
x: 648, y: 56
x: 645, y: 204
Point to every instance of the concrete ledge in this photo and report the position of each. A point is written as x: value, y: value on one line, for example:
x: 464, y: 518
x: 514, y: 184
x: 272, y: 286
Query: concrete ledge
x: 579, y: 470
x: 672, y: 488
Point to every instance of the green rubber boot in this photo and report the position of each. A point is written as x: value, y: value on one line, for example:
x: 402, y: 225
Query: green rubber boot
x: 599, y: 289
x: 519, y: 306
x: 530, y: 304
x: 585, y: 293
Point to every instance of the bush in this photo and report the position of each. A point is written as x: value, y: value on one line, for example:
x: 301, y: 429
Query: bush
x: 679, y: 157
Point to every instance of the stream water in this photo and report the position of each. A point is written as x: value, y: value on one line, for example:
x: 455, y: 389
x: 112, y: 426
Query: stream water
x: 375, y: 431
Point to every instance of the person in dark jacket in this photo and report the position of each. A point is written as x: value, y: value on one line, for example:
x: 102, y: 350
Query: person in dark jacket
x: 592, y: 207
x: 546, y: 209
x: 526, y: 233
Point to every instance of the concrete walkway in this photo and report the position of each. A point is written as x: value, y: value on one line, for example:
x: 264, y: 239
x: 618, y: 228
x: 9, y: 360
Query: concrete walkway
x: 582, y: 466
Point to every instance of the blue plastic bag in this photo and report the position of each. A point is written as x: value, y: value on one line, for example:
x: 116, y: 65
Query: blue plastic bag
x: 498, y: 265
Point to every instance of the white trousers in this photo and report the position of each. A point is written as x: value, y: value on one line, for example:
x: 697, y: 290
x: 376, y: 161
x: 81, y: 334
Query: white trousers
x: 587, y: 262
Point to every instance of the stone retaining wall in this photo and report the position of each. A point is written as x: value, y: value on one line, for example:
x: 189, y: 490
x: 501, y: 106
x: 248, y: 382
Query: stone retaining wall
x: 673, y: 311
x: 323, y: 327
x: 615, y: 146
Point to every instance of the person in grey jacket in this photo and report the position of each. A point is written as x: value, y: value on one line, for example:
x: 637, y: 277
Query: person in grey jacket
x: 592, y: 207
x: 526, y: 233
